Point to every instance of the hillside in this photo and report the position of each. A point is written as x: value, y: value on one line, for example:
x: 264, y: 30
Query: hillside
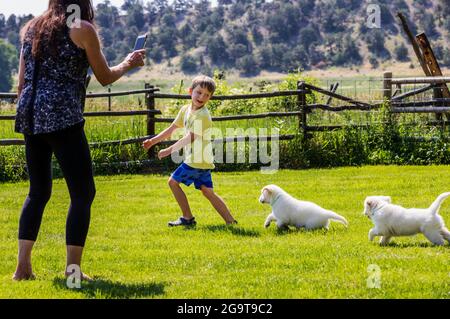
x: 250, y: 37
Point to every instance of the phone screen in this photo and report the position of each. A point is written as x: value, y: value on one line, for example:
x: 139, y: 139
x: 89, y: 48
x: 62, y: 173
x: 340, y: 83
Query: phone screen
x: 140, y: 42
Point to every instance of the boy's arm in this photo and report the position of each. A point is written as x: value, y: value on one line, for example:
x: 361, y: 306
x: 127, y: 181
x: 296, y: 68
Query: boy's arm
x: 160, y: 137
x: 187, y: 139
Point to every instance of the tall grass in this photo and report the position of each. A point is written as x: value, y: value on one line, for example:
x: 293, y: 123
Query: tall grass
x: 386, y: 139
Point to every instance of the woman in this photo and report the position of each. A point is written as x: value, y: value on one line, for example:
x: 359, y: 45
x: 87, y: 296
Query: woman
x: 54, y: 61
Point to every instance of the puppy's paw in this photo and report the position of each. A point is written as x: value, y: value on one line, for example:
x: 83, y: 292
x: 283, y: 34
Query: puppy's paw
x: 283, y: 227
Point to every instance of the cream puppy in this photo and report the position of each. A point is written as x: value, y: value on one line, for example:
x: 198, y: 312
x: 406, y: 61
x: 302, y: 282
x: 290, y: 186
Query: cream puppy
x: 392, y: 220
x: 286, y: 211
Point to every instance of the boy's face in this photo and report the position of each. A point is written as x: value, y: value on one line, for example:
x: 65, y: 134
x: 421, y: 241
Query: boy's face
x: 199, y: 96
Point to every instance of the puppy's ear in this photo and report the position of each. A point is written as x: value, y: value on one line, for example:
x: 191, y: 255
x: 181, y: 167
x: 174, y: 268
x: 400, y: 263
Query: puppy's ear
x: 267, y: 188
x: 388, y: 199
x: 368, y: 205
x: 371, y: 203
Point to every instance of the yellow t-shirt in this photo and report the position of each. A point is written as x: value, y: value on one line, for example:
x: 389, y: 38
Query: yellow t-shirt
x: 198, y: 154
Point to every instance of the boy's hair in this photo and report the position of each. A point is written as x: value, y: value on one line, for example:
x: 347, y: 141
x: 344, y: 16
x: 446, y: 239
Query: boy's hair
x: 204, y: 82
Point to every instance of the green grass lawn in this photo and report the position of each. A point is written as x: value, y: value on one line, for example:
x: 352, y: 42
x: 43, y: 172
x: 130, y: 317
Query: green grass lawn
x: 133, y: 254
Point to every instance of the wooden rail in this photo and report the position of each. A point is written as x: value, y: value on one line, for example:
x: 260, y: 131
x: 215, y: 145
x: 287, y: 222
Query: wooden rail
x: 102, y: 114
x: 396, y: 103
x: 422, y: 80
x: 94, y: 95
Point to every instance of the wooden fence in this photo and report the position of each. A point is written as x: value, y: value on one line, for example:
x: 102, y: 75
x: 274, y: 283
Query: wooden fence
x: 394, y: 100
x: 437, y: 105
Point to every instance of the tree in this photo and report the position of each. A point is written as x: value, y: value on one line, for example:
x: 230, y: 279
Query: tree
x: 202, y: 16
x: 238, y: 35
x: 438, y: 51
x: 161, y: 6
x: 107, y: 37
x: 130, y: 37
x: 167, y: 40
x: 2, y: 25
x: 24, y: 19
x: 168, y: 20
x: 248, y: 65
x: 8, y: 62
x: 217, y: 18
x: 14, y: 38
x: 151, y: 13
x: 224, y: 2
x: 351, y: 51
x: 182, y: 6
x: 307, y: 6
x: 135, y: 14
x: 374, y: 62
x: 316, y: 57
x: 332, y: 17
x: 106, y: 15
x: 217, y: 50
x: 237, y: 51
x: 110, y: 55
x: 188, y: 36
x: 308, y: 36
x: 188, y: 64
x: 256, y: 34
x: 156, y: 53
x: 428, y: 25
x: 11, y: 23
x: 401, y: 53
x: 375, y: 44
x: 237, y: 9
x: 446, y: 57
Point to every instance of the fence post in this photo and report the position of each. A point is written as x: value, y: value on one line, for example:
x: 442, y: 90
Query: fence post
x: 387, y: 88
x: 150, y: 103
x: 301, y: 103
x: 109, y: 99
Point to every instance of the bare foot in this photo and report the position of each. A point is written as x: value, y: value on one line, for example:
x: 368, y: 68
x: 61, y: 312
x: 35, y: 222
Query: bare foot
x: 23, y: 275
x: 84, y: 277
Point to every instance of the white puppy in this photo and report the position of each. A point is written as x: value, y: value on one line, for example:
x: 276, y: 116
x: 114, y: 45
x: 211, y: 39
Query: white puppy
x: 286, y: 210
x: 392, y: 220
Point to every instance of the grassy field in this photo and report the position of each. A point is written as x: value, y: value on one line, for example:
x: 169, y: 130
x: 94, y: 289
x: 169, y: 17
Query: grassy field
x: 133, y: 254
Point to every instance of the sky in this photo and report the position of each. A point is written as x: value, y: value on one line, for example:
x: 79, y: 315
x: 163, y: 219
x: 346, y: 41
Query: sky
x: 36, y: 7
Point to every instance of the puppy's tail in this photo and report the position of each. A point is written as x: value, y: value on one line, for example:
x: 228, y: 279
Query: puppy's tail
x: 337, y: 218
x: 434, y: 208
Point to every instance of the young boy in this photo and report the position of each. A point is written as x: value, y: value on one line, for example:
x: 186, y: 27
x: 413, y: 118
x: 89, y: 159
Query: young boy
x: 198, y: 163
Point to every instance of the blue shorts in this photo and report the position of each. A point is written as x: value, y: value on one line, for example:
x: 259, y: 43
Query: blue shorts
x: 188, y: 175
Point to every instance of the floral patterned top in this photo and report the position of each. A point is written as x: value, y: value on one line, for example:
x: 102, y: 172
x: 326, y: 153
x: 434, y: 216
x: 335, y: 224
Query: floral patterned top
x: 57, y: 100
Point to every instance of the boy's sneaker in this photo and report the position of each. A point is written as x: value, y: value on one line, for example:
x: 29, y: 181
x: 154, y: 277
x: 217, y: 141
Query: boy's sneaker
x: 183, y: 222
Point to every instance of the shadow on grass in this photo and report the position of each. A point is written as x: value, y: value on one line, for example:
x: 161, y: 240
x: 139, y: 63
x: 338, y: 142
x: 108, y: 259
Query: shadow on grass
x: 101, y: 288
x: 412, y: 245
x: 294, y: 230
x: 238, y: 231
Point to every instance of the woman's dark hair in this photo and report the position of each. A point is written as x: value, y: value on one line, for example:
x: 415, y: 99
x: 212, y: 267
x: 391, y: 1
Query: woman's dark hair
x: 45, y: 28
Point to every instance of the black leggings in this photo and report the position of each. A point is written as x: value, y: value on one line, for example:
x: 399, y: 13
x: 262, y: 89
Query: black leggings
x: 72, y: 152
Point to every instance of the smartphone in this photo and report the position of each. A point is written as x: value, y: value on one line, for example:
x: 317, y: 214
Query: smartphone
x: 140, y: 42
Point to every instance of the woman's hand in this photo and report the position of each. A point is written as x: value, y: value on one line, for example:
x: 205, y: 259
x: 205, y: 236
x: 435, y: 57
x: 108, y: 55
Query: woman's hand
x: 164, y: 153
x: 149, y: 143
x: 135, y: 59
